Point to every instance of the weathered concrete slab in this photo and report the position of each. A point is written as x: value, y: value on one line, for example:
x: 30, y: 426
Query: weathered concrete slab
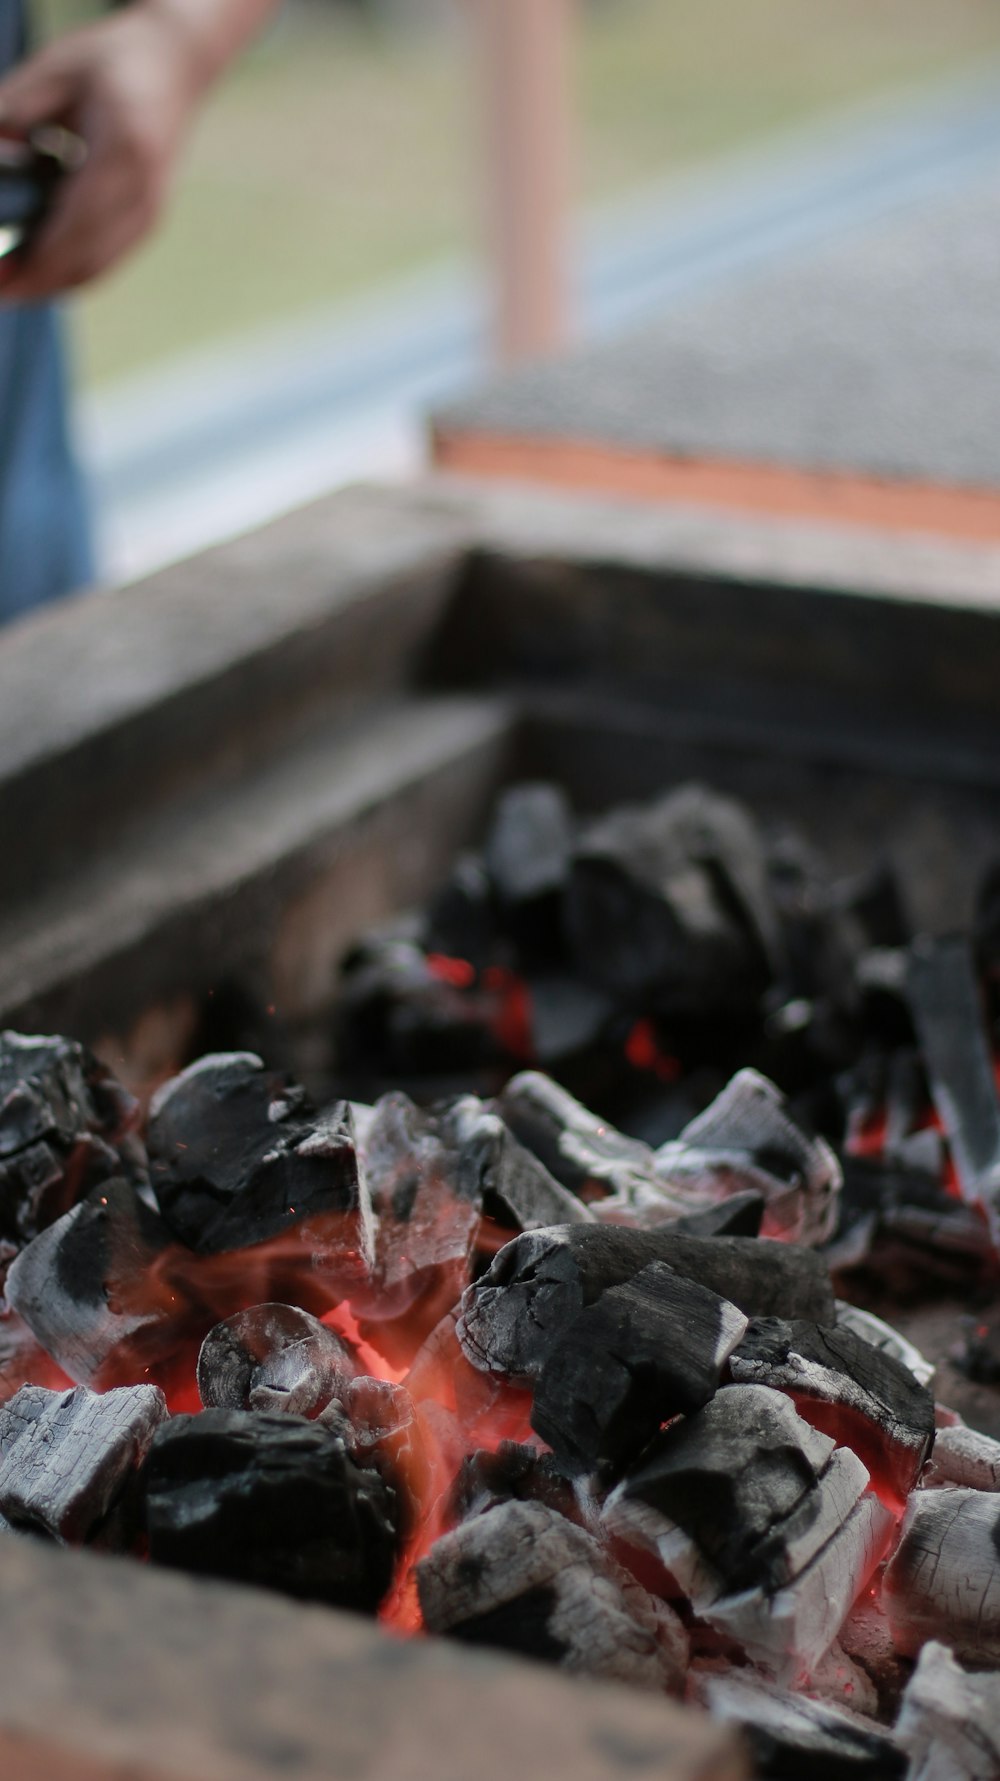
x: 110, y: 1671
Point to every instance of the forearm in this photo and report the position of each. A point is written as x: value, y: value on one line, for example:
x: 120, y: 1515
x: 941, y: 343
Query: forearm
x: 214, y: 30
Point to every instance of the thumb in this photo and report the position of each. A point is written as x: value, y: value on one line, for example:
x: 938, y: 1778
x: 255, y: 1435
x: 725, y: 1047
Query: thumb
x: 40, y: 91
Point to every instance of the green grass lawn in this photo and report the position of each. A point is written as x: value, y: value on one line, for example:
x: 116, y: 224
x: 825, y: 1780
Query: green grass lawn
x: 336, y: 157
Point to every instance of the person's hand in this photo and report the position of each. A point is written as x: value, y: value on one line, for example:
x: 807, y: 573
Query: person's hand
x: 127, y: 86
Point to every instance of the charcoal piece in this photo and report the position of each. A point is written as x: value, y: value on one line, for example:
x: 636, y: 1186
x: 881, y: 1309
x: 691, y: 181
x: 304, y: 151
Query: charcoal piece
x: 400, y: 1014
x: 66, y: 1126
x: 948, y: 1012
x: 949, y: 1725
x: 887, y: 1340
x: 461, y: 918
x: 977, y: 1354
x: 963, y: 1457
x: 579, y: 1149
x: 791, y: 1736
x: 510, y: 1182
x: 513, y: 1473
x: 567, y: 1016
x: 273, y: 1357
x: 740, y: 1216
x: 512, y: 1317
x: 522, y: 1578
x: 745, y: 1140
x: 65, y: 1456
x: 237, y: 1156
x: 80, y: 1288
x: 866, y: 1639
x: 271, y: 1500
x: 672, y: 903
x: 858, y: 1393
x: 943, y: 1580
x: 767, y: 1528
x: 527, y: 850
x: 900, y: 1225
x: 648, y: 1350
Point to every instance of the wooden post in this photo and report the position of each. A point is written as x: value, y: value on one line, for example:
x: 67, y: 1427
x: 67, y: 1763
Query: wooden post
x: 525, y: 50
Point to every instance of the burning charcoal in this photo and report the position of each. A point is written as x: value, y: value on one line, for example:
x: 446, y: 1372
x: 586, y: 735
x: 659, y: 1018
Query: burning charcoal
x: 950, y: 1722
x: 461, y: 918
x: 903, y: 1227
x: 271, y: 1500
x: 273, y: 1357
x: 977, y: 1355
x: 584, y: 1153
x: 648, y: 1350
x: 759, y: 1520
x: 857, y: 1393
x: 76, y: 1284
x: 237, y: 1156
x: 65, y: 1456
x: 513, y: 1316
x: 528, y: 847
x: 746, y: 1139
x: 512, y: 1185
x: 947, y: 1008
x: 402, y: 1011
x: 838, y: 1679
x: 943, y: 1580
x: 672, y: 902
x: 888, y: 1341
x: 792, y: 1736
x: 522, y: 1578
x: 66, y: 1126
x: 963, y: 1457
x: 514, y: 1473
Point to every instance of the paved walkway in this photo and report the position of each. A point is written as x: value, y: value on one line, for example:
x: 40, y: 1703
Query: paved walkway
x: 202, y: 449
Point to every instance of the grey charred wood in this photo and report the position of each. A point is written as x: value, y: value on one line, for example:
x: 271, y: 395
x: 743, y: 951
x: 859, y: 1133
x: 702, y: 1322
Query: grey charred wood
x: 646, y: 1351
x: 943, y: 1580
x: 948, y: 1011
x: 273, y: 1357
x: 791, y: 1736
x: 66, y: 1456
x: 513, y: 1316
x: 949, y: 1725
x: 522, y: 1578
x: 271, y: 1500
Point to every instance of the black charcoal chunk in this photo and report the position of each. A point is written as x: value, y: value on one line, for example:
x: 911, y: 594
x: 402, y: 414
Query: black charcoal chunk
x: 740, y: 1216
x: 80, y: 1287
x: 648, y: 1350
x: 461, y: 917
x: 948, y: 1013
x: 273, y: 1357
x: 513, y: 1316
x: 513, y: 1473
x: 66, y: 1126
x: 527, y: 850
x: 237, y: 1156
x: 65, y: 1456
x: 512, y: 1185
x: 522, y: 1578
x: 672, y: 902
x: 874, y: 1403
x: 588, y: 1156
x: 271, y: 1500
x: 792, y: 1737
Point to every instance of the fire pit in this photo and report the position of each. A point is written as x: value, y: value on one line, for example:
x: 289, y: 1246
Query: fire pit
x: 334, y: 761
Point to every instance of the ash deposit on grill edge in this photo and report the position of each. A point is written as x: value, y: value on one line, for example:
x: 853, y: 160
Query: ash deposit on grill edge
x: 485, y: 1365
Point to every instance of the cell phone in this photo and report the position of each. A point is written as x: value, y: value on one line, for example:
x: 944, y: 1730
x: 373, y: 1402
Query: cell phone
x: 30, y: 171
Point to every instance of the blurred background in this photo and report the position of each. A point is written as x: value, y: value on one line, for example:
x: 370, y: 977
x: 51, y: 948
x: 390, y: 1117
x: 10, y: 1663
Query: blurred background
x: 320, y: 278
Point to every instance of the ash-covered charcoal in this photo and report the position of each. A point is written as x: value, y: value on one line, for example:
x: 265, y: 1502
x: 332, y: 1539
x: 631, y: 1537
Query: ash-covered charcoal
x: 273, y: 1357
x: 66, y: 1125
x: 648, y: 1350
x: 271, y: 1500
x: 943, y: 1580
x: 963, y: 1457
x: 66, y: 1456
x: 527, y: 857
x: 949, y: 1725
x: 857, y: 1393
x: 948, y: 1012
x: 672, y: 902
x: 745, y: 1140
x: 80, y: 1287
x: 513, y: 1473
x: 583, y: 1152
x: 791, y: 1736
x: 512, y: 1185
x: 888, y: 1341
x: 901, y: 1227
x: 537, y: 1284
x: 522, y: 1578
x: 866, y: 1639
x: 237, y: 1155
x: 379, y: 1425
x: 759, y: 1520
